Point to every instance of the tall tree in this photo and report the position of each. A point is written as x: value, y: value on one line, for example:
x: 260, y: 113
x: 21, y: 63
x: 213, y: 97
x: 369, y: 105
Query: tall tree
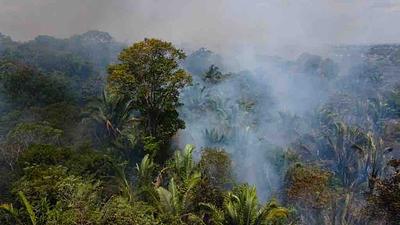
x: 149, y: 74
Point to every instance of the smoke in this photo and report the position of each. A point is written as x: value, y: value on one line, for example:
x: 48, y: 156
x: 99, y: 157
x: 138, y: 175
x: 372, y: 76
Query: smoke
x: 254, y: 114
x: 244, y: 112
x: 223, y: 25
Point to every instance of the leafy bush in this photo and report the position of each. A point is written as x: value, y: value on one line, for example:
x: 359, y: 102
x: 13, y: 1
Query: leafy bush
x: 120, y: 211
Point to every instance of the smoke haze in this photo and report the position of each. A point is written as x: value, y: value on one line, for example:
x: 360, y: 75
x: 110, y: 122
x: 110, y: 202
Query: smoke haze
x: 242, y: 31
x: 218, y: 25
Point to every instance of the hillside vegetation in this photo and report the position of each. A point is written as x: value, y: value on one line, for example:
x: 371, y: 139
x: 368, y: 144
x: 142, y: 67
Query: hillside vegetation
x: 96, y: 132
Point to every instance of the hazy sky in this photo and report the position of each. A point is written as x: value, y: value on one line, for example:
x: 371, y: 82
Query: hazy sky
x: 211, y: 23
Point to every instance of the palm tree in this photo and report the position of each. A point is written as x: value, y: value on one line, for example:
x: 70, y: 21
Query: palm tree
x: 183, y: 167
x: 112, y: 113
x: 16, y: 213
x: 145, y: 171
x: 241, y: 207
x: 347, y: 163
x: 145, y: 174
x: 375, y: 157
x: 355, y: 157
x: 124, y: 185
x: 214, y: 137
x: 175, y: 201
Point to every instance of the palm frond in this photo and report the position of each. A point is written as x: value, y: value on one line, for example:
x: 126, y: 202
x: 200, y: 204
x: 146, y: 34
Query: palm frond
x: 28, y: 207
x: 9, y: 209
x: 165, y: 200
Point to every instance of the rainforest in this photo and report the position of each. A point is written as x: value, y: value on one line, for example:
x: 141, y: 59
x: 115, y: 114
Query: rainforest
x: 197, y: 113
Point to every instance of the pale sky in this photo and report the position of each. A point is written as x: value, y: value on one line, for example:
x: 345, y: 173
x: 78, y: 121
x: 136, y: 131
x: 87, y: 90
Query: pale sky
x: 216, y: 24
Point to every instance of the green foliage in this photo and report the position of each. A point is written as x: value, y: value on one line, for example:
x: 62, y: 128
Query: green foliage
x: 61, y: 115
x: 241, y: 207
x: 44, y: 53
x: 112, y: 113
x: 185, y: 176
x: 67, y: 185
x: 56, y: 170
x: 183, y: 167
x: 216, y: 178
x: 82, y: 162
x: 169, y: 201
x: 17, y: 215
x: 149, y: 75
x: 114, y: 123
x: 28, y: 207
x: 151, y: 146
x: 85, y: 162
x: 92, y: 163
x: 206, y: 192
x: 23, y: 85
x: 125, y: 187
x: 145, y: 172
x: 25, y: 134
x: 80, y: 55
x: 120, y: 211
x: 179, y: 201
x: 9, y: 214
x: 174, y: 203
x: 39, y: 182
x: 45, y: 155
x: 68, y: 198
x: 337, y: 140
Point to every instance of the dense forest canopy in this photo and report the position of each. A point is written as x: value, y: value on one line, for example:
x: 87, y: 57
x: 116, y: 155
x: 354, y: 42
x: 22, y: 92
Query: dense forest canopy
x: 93, y: 131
